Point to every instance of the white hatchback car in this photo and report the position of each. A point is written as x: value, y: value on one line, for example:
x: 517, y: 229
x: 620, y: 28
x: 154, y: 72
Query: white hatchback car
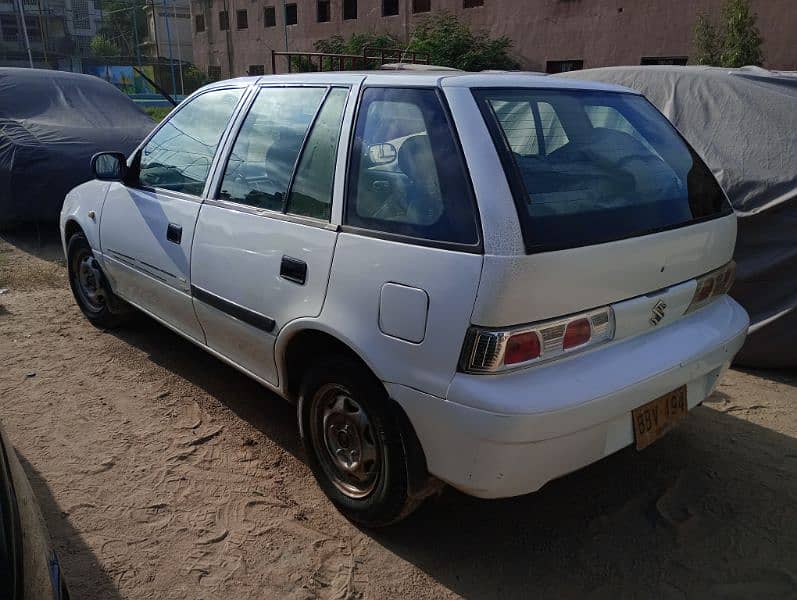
x: 487, y: 280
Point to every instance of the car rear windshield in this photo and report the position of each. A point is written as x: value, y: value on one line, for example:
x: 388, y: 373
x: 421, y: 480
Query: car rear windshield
x: 590, y: 167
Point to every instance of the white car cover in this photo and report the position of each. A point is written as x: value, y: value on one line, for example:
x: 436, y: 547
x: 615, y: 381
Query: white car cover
x: 743, y: 122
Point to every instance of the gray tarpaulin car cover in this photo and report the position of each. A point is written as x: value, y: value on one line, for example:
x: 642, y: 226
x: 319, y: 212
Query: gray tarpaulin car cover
x: 51, y: 123
x: 743, y: 122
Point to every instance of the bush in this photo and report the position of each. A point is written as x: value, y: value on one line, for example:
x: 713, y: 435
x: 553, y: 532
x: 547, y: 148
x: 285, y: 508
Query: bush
x: 157, y: 113
x: 102, y: 47
x: 736, y: 42
x: 451, y: 43
x: 442, y: 36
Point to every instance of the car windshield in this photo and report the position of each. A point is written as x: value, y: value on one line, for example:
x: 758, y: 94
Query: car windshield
x: 590, y: 167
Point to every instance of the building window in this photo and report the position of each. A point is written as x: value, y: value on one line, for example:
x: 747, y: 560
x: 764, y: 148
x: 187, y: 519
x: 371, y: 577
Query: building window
x: 80, y: 14
x: 10, y: 27
x: 224, y: 20
x: 563, y: 66
x: 199, y: 23
x: 257, y: 69
x: 472, y: 3
x: 269, y: 16
x: 322, y: 11
x: 419, y: 6
x: 34, y: 32
x: 349, y: 10
x: 241, y: 19
x: 214, y: 73
x: 390, y: 7
x: 664, y: 60
x: 291, y: 15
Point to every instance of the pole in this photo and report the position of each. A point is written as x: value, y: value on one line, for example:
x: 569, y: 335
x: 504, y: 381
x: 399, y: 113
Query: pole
x: 179, y: 47
x: 169, y: 41
x: 25, y: 32
x: 135, y: 34
x: 42, y: 32
x: 285, y: 25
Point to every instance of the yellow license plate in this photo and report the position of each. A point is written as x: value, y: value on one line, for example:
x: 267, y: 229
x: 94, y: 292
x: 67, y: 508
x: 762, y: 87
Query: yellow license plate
x: 654, y: 419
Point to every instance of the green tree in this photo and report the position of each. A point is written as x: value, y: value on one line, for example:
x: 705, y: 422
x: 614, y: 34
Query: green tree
x: 707, y: 41
x: 451, y: 43
x: 742, y: 40
x: 193, y: 78
x: 736, y: 42
x: 102, y: 47
x: 119, y: 21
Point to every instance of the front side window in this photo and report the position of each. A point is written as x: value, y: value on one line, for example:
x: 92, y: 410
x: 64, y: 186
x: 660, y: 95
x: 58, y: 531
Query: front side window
x: 591, y: 167
x: 265, y: 152
x: 406, y: 175
x: 179, y: 155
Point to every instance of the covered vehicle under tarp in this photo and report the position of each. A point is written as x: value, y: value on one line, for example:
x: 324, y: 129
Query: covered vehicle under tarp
x: 51, y: 123
x: 743, y: 122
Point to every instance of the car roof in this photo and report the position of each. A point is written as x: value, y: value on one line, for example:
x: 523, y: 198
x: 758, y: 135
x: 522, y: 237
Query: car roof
x: 509, y: 79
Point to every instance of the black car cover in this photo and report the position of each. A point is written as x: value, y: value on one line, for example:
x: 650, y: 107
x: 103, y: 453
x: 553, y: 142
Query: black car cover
x: 743, y: 122
x: 51, y: 123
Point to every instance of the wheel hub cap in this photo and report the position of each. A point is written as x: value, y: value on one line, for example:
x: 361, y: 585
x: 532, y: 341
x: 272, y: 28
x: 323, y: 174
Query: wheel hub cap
x: 89, y: 280
x: 344, y: 437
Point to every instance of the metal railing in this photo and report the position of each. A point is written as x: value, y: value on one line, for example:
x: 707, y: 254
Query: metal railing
x: 298, y: 62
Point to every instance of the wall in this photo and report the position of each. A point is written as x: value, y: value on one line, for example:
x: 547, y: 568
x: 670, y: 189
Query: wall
x: 599, y: 32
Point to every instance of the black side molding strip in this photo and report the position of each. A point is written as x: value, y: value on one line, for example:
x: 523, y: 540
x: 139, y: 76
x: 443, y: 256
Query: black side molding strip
x: 249, y: 317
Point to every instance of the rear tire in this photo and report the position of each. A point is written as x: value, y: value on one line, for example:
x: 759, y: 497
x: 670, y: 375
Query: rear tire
x: 355, y: 443
x: 91, y: 289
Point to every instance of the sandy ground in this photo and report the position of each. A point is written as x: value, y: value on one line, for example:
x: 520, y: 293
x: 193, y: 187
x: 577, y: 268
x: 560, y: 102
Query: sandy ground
x: 165, y: 474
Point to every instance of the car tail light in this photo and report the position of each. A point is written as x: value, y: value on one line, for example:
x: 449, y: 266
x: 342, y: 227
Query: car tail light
x: 577, y: 333
x: 522, y: 347
x: 712, y: 285
x: 495, y: 351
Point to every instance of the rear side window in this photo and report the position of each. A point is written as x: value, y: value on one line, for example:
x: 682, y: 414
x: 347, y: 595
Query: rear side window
x: 591, y: 167
x: 311, y: 192
x: 179, y: 155
x: 406, y: 175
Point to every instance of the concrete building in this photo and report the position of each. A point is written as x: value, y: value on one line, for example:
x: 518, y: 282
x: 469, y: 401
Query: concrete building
x: 169, y: 31
x: 235, y: 37
x: 59, y: 31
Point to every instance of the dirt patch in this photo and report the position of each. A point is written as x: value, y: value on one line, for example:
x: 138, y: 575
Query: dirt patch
x: 165, y: 474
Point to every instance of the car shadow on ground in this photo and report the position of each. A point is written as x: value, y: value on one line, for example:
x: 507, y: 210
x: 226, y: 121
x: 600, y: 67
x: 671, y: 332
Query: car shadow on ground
x: 249, y: 400
x: 42, y: 240
x: 707, y: 511
x: 82, y: 570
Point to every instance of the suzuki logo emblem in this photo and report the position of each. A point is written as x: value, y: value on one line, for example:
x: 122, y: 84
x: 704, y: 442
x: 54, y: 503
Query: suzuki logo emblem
x: 658, y: 313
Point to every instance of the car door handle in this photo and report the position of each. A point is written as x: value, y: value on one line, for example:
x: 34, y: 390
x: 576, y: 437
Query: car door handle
x: 174, y: 233
x: 293, y: 269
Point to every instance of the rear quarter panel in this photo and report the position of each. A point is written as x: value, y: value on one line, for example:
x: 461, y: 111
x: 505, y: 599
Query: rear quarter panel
x: 361, y: 267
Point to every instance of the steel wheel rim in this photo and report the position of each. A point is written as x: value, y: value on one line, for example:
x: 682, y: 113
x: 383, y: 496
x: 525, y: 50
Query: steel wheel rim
x: 344, y: 441
x: 88, y: 281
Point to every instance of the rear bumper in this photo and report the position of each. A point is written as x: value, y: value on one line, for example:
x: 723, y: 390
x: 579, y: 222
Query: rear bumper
x: 506, y: 435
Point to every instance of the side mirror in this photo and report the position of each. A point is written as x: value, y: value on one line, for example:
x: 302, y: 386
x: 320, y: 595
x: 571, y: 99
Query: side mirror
x: 109, y: 166
x: 382, y: 154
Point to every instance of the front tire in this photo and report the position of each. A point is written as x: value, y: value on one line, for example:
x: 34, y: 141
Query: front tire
x: 92, y: 292
x: 355, y: 443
